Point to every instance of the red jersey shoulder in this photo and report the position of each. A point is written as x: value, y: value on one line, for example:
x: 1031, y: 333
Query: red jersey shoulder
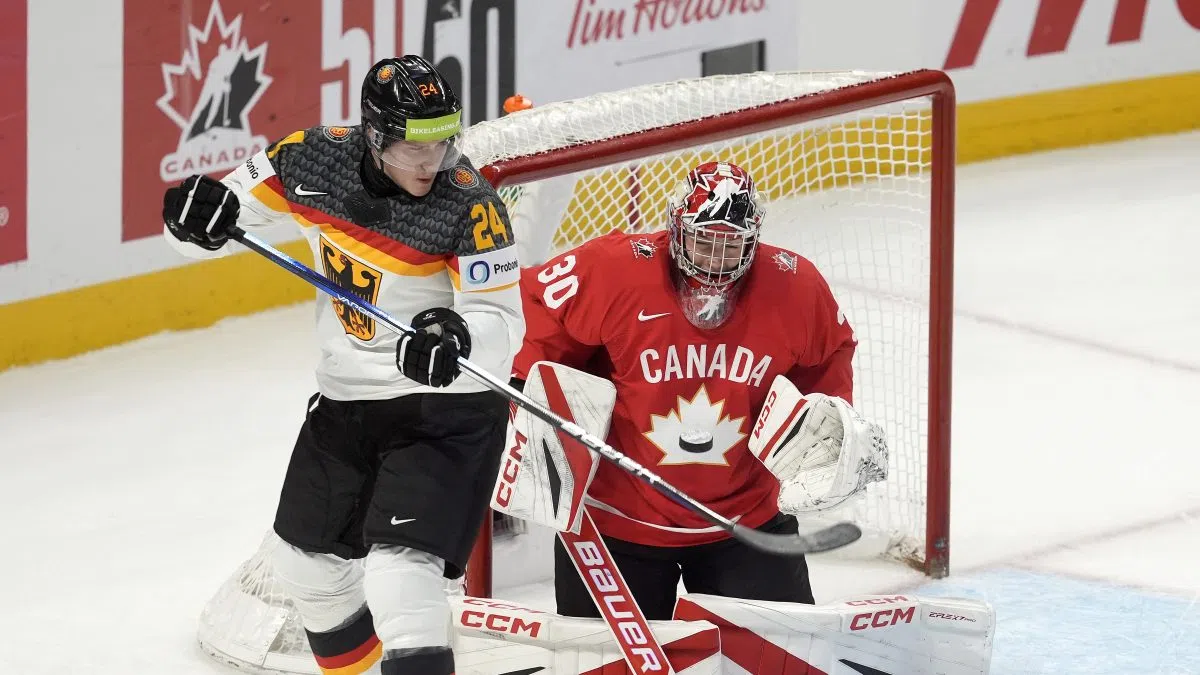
x: 622, y: 249
x: 784, y: 264
x: 788, y: 273
x: 785, y: 278
x: 617, y: 256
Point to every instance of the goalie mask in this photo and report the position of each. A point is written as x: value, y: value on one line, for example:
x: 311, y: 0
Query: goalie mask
x: 714, y: 220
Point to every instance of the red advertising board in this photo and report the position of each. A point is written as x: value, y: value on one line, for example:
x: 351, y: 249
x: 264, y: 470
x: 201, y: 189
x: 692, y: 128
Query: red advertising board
x: 13, y: 131
x: 209, y: 83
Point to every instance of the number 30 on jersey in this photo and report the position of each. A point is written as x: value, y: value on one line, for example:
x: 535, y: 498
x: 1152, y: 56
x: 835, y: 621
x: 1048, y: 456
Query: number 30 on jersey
x: 560, y: 284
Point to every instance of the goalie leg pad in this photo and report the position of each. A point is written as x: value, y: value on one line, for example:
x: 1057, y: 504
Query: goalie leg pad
x: 872, y: 634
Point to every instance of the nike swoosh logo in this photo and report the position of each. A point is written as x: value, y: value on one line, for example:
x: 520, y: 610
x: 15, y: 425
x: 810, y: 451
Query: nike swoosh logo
x: 865, y: 670
x: 525, y: 671
x: 306, y: 193
x: 399, y: 521
x: 643, y: 316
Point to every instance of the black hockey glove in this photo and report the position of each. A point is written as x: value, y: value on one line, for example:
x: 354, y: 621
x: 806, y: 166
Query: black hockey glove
x: 430, y: 356
x: 201, y: 211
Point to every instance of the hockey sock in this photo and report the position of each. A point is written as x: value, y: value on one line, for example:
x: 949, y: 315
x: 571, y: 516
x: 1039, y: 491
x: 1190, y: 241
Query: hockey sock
x: 349, y: 650
x: 418, y: 661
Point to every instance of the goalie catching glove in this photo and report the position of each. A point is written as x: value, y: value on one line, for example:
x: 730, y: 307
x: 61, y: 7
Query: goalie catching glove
x: 821, y: 450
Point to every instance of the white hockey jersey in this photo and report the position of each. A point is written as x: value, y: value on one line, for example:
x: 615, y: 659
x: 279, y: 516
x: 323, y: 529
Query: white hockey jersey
x: 451, y: 248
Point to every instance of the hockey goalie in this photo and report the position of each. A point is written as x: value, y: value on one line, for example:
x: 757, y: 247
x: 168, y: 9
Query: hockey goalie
x: 819, y: 448
x: 722, y: 363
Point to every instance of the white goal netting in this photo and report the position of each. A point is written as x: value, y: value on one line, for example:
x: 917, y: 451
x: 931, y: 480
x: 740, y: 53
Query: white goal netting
x: 851, y: 187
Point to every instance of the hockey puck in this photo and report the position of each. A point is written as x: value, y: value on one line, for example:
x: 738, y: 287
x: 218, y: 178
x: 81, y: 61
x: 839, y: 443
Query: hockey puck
x: 695, y: 441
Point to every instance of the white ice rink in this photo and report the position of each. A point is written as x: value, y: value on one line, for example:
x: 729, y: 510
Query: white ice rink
x: 133, y: 480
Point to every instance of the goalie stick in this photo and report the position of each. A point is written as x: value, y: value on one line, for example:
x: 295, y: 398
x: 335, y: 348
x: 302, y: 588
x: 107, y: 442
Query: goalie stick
x: 825, y: 539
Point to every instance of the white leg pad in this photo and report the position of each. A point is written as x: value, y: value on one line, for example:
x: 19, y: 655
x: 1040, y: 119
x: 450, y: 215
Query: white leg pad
x: 327, y: 589
x: 407, y: 595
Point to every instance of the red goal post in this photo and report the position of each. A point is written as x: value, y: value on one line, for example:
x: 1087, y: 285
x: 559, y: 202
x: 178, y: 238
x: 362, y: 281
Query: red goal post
x: 860, y: 126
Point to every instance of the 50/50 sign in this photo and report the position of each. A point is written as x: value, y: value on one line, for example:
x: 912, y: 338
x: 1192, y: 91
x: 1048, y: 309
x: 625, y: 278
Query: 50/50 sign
x: 471, y: 42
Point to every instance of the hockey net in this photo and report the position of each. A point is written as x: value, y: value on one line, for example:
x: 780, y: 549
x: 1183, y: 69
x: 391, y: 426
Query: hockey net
x: 857, y: 172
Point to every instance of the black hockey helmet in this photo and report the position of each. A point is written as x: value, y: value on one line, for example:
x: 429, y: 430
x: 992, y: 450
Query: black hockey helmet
x: 410, y: 114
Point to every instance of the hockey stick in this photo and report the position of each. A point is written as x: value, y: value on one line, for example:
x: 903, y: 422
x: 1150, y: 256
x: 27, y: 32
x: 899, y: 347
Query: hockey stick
x: 825, y: 539
x: 617, y: 606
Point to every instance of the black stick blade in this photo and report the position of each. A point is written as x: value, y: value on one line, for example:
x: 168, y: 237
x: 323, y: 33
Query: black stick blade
x: 826, y: 539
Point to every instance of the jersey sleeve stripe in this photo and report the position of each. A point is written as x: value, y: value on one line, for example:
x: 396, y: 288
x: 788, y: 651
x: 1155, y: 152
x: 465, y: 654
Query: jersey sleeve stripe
x: 270, y: 193
x: 294, y: 137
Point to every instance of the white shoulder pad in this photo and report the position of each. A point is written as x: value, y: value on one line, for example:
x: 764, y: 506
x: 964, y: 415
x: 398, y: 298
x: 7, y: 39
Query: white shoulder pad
x: 821, y: 450
x: 900, y: 634
x: 494, y: 636
x: 545, y: 474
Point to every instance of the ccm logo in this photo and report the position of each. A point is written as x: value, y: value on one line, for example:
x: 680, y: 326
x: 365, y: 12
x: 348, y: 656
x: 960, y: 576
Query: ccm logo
x: 501, y: 623
x: 512, y: 467
x: 615, y: 600
x: 766, y: 411
x: 882, y: 619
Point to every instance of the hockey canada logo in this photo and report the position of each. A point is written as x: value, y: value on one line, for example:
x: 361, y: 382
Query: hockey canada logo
x: 354, y: 277
x: 696, y: 431
x: 228, y: 74
x: 786, y: 261
x: 642, y: 248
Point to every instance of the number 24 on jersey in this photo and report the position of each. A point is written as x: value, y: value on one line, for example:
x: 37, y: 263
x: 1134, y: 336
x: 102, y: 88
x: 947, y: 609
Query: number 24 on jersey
x: 488, y: 226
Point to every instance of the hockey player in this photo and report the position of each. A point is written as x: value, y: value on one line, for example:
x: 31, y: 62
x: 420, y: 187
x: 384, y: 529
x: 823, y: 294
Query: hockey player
x: 694, y: 325
x: 397, y: 454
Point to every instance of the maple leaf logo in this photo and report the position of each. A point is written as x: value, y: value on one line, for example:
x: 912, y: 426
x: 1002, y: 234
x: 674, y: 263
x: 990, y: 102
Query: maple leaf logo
x: 209, y: 95
x: 696, y: 431
x: 786, y: 261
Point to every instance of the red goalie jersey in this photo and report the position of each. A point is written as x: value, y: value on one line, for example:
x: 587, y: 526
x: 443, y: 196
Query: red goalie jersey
x: 686, y: 397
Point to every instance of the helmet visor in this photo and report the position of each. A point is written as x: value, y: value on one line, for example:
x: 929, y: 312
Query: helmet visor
x: 424, y: 146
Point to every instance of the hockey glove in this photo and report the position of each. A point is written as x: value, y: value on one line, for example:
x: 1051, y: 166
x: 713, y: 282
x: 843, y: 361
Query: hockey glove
x: 430, y: 355
x: 201, y: 211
